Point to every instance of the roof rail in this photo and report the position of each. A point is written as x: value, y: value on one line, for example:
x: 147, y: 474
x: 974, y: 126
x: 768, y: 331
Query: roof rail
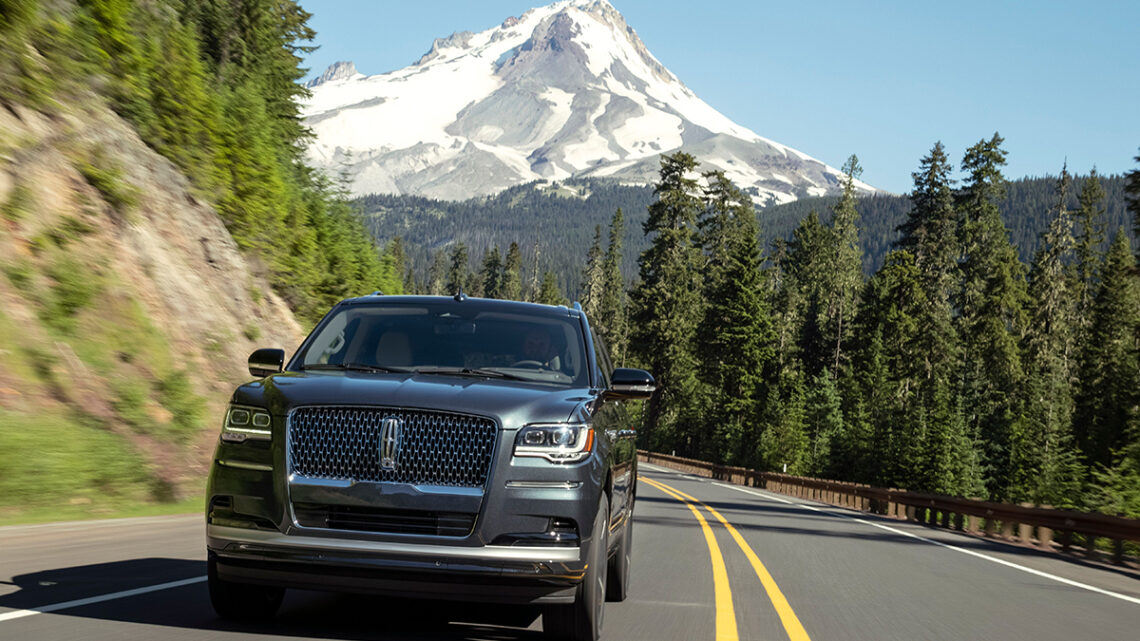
x: 377, y: 293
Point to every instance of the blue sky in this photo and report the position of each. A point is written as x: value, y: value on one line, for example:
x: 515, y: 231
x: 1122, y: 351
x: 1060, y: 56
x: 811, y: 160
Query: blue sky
x: 884, y: 80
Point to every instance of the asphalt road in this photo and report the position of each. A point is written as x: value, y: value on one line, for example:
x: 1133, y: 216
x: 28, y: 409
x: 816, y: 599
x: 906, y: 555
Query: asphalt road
x: 792, y: 570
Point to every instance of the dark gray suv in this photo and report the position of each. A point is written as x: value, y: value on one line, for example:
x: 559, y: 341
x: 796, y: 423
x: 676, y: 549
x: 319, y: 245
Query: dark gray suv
x: 437, y: 447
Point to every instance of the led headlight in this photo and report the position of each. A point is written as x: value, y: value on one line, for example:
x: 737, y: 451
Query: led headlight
x: 244, y: 423
x: 557, y: 442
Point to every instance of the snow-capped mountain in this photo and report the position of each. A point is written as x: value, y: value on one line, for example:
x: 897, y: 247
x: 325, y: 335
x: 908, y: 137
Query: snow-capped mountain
x: 566, y: 90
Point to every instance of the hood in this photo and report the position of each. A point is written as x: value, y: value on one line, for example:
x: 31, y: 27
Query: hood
x: 512, y: 403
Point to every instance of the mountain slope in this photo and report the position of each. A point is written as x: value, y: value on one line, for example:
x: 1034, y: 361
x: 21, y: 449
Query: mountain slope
x: 566, y: 90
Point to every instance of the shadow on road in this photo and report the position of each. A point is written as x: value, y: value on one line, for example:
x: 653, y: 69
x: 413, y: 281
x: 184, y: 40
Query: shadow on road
x: 303, y: 614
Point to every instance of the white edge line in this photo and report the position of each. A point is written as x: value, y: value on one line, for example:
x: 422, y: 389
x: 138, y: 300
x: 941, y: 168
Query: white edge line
x: 1046, y: 575
x: 19, y: 614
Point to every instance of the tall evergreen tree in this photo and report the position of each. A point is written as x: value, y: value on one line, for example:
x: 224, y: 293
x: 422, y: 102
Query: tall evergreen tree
x: 1108, y: 404
x: 612, y: 319
x: 930, y: 232
x: 492, y: 273
x: 593, y: 278
x: 1044, y: 465
x: 734, y: 338
x: 905, y: 375
x: 1132, y: 196
x: 992, y: 316
x: 844, y: 269
x: 512, y: 274
x: 457, y: 272
x: 1091, y: 228
x: 549, y: 293
x: 437, y: 274
x: 667, y: 302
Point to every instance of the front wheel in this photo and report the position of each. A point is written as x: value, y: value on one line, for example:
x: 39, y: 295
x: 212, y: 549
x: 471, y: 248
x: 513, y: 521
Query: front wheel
x: 241, y: 601
x: 582, y: 619
x: 617, y: 585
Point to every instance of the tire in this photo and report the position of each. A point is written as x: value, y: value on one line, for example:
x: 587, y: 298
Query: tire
x: 617, y: 579
x: 241, y: 601
x: 582, y: 619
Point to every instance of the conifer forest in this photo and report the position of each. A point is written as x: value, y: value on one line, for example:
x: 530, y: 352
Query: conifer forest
x: 954, y: 368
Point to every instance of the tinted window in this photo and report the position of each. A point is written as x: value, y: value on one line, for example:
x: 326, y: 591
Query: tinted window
x: 538, y: 347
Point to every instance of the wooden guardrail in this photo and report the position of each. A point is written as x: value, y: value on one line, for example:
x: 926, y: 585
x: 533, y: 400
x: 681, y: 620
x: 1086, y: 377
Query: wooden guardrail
x: 1042, y: 527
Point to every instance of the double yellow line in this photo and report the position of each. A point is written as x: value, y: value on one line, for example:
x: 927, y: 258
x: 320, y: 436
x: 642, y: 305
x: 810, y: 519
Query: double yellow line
x: 725, y: 613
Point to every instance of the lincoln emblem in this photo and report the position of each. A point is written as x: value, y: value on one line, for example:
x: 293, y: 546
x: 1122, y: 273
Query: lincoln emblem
x: 390, y: 430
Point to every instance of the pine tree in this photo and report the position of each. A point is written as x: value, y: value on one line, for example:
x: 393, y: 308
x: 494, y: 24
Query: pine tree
x: 667, y: 302
x: 1090, y: 238
x: 612, y: 319
x: 992, y: 317
x: 734, y: 338
x: 437, y: 274
x: 1043, y: 464
x: 457, y: 273
x: 930, y: 232
x: 903, y: 371
x: 549, y: 293
x: 844, y: 269
x: 824, y: 419
x: 1107, y: 415
x: 1132, y: 196
x: 593, y: 278
x: 511, y: 287
x: 492, y: 274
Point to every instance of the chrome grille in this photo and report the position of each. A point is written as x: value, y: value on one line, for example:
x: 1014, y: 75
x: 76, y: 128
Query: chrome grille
x: 436, y: 448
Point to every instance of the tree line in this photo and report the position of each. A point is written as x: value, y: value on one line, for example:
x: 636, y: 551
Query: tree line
x: 954, y: 368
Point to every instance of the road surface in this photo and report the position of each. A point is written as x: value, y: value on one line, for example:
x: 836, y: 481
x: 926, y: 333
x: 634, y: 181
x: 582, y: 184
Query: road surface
x: 785, y: 569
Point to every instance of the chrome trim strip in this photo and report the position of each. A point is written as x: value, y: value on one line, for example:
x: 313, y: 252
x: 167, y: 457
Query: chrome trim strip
x: 308, y: 481
x: 549, y: 485
x: 242, y: 465
x: 297, y: 479
x: 255, y: 538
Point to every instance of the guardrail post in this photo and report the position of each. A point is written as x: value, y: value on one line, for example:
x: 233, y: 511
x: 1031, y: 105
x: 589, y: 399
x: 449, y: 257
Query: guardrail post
x: 1045, y: 538
x: 1118, y: 551
x: 1090, y: 547
x: 1007, y: 529
x: 1024, y: 532
x: 973, y: 526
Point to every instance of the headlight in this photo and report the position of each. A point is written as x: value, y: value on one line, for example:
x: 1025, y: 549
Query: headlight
x: 244, y: 422
x: 557, y: 442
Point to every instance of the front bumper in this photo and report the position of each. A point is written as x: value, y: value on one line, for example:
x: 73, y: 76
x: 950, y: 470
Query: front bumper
x: 490, y: 573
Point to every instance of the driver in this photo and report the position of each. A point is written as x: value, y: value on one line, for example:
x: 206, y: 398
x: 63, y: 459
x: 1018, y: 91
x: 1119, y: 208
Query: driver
x: 538, y: 347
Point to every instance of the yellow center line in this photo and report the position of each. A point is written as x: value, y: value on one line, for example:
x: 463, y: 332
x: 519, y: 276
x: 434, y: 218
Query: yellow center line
x: 788, y: 617
x: 725, y: 614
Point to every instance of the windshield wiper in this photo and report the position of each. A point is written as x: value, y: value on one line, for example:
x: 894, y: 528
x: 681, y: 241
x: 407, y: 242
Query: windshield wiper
x: 357, y: 367
x: 469, y: 371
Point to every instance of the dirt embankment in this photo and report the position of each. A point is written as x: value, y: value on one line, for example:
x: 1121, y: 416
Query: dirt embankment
x: 125, y: 305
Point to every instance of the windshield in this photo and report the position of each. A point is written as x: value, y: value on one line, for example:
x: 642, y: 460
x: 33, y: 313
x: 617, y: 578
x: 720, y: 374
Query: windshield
x: 442, y: 339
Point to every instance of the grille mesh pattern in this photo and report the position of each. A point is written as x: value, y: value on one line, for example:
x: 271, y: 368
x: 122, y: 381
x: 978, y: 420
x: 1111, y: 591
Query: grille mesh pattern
x: 436, y: 448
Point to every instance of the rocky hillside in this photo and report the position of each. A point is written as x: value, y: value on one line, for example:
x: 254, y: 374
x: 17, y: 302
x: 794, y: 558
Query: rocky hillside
x: 126, y: 315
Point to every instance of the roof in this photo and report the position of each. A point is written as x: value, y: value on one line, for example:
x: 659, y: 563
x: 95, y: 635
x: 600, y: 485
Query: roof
x: 467, y: 301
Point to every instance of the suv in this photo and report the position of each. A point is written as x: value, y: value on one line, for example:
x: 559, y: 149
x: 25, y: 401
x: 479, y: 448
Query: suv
x: 437, y: 447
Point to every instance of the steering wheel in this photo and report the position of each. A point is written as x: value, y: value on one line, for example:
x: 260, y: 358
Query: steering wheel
x: 534, y: 364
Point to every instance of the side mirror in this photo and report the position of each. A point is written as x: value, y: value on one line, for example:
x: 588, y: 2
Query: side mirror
x: 631, y: 384
x: 264, y: 362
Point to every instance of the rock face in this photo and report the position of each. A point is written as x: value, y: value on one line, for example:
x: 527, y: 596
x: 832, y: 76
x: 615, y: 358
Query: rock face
x: 169, y: 290
x: 342, y: 70
x: 566, y: 90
